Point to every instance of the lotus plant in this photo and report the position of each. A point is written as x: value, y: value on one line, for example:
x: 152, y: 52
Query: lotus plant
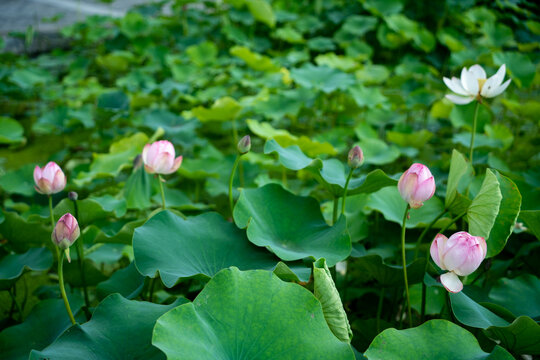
x: 63, y: 236
x: 472, y: 85
x: 415, y: 186
x: 50, y: 179
x: 243, y: 147
x: 355, y: 159
x: 461, y: 254
x: 159, y: 158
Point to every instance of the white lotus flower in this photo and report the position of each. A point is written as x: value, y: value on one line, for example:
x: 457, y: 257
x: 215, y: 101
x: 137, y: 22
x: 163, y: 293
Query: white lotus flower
x: 474, y: 85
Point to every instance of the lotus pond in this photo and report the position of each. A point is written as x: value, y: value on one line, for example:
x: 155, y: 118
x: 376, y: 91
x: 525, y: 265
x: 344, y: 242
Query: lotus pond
x: 253, y: 179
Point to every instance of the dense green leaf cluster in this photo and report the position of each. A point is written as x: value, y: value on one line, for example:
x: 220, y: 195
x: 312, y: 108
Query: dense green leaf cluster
x: 293, y: 271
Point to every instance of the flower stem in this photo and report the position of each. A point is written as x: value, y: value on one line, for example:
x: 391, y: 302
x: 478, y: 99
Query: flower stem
x: 335, y: 210
x: 405, y: 264
x: 80, y: 260
x: 471, y: 148
x: 345, y: 191
x: 231, y: 178
x: 163, y: 205
x: 61, y: 283
x: 426, y: 229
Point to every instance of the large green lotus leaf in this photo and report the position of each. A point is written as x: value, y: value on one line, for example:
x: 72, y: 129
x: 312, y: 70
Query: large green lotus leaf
x: 120, y: 156
x: 507, y: 216
x: 283, y: 138
x: 435, y: 339
x: 383, y: 7
x: 47, y: 320
x: 388, y: 201
x: 358, y: 25
x: 518, y: 295
x: 291, y: 157
x: 27, y: 77
x: 138, y: 189
x: 202, y: 54
x: 119, y: 329
x: 285, y: 103
x: 377, y: 152
x: 177, y: 199
x: 253, y: 60
x: 11, y: 132
x: 202, y: 244
x: 322, y: 78
x: 520, y: 67
x: 485, y: 206
x: 417, y: 139
x: 325, y: 290
x: 249, y: 315
x: 127, y: 282
x: 390, y: 275
x: 470, y: 313
x: 291, y: 226
x: 520, y: 337
x: 370, y: 97
x: 90, y: 210
x: 532, y: 220
x: 262, y: 11
x: 21, y: 234
x: 20, y: 181
x: 289, y: 34
x: 36, y: 259
x: 340, y: 62
x: 115, y: 235
x: 333, y: 172
x: 223, y: 109
x: 458, y: 168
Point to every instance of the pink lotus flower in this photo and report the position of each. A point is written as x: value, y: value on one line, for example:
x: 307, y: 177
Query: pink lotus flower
x: 66, y: 232
x: 355, y: 157
x: 416, y: 185
x: 159, y: 158
x: 461, y: 254
x: 50, y: 179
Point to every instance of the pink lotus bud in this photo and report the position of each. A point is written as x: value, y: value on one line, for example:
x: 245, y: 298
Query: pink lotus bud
x: 356, y: 157
x: 159, y: 158
x: 244, y: 145
x: 50, y: 179
x: 416, y: 185
x: 461, y: 254
x: 66, y: 232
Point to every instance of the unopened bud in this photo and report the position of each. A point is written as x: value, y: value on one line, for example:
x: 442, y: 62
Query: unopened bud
x: 72, y: 195
x: 356, y: 157
x: 244, y: 145
x: 65, y: 232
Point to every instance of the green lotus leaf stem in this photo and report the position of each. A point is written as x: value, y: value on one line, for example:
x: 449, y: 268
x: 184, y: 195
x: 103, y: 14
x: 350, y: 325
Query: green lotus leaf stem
x: 475, y: 118
x: 80, y: 261
x: 345, y: 191
x: 404, y: 259
x: 231, y: 178
x: 163, y: 204
x: 61, y: 284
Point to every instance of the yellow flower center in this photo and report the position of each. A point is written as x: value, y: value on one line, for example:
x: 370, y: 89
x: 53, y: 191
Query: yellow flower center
x: 481, y: 83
